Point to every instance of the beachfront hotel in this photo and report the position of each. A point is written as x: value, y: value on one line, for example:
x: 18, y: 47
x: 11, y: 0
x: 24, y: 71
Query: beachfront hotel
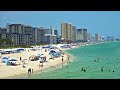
x: 82, y: 35
x: 68, y: 32
x: 71, y: 33
x: 50, y: 36
x: 21, y: 34
x: 88, y: 36
x: 98, y: 38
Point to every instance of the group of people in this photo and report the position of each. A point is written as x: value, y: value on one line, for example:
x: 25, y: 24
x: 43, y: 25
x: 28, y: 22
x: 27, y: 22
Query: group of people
x: 83, y: 69
x: 108, y: 70
x: 98, y: 59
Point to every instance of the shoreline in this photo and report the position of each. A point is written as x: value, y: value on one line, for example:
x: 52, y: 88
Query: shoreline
x: 45, y: 69
x: 50, y: 65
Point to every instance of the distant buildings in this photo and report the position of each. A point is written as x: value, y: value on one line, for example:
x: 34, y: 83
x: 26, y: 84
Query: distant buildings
x: 58, y: 39
x: 56, y: 32
x: 98, y: 38
x: 78, y: 35
x: 20, y: 34
x: 82, y: 35
x: 66, y: 31
x: 88, y: 36
x: 3, y: 34
x: 110, y: 38
x: 50, y: 36
x: 74, y: 35
x: 71, y: 33
x: 92, y: 39
x: 103, y: 38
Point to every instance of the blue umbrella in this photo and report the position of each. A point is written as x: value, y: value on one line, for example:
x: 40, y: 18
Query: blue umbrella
x: 4, y: 59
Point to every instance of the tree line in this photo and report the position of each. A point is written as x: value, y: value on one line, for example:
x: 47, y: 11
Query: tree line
x: 5, y: 42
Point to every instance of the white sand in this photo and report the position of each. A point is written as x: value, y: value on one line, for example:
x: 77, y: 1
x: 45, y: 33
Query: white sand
x: 6, y: 71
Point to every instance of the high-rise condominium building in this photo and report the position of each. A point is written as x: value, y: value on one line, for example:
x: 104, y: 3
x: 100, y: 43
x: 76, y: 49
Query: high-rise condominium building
x: 68, y: 32
x: 21, y: 34
x: 96, y: 37
x: 50, y: 36
x: 82, y: 35
x: 88, y: 36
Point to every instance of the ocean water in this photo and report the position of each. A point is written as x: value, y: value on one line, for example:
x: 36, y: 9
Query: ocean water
x: 92, y: 58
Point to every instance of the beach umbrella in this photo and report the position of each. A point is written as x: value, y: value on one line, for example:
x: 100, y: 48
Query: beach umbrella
x: 32, y: 56
x: 13, y: 61
x: 42, y: 55
x: 4, y: 59
x: 38, y: 55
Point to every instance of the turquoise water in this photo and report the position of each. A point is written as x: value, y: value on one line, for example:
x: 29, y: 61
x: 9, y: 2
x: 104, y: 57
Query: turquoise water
x: 92, y: 58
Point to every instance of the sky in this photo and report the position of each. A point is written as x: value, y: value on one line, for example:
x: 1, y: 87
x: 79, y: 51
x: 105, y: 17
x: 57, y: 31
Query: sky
x: 105, y: 23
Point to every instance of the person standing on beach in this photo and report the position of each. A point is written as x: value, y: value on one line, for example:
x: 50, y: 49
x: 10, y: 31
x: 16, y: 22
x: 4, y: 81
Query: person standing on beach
x: 29, y: 70
x: 20, y: 59
x: 68, y: 59
x: 62, y: 60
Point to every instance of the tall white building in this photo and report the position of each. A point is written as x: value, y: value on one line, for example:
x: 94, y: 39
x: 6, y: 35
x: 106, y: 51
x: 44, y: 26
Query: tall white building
x: 50, y: 37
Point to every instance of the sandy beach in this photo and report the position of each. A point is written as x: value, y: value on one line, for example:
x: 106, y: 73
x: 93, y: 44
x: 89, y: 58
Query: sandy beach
x: 11, y: 71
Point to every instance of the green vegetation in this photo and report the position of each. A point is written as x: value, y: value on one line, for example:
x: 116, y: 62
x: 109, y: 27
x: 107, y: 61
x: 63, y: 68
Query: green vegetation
x: 7, y: 43
x: 17, y: 46
x: 41, y: 44
x: 4, y: 42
